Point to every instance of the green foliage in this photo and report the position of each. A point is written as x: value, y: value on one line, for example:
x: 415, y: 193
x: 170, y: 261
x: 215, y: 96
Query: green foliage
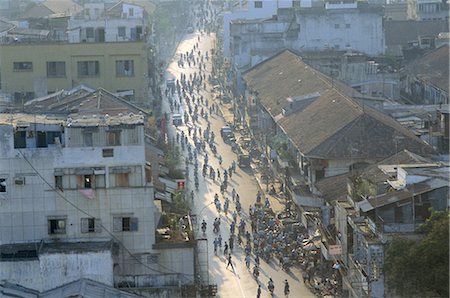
x: 364, y: 188
x: 179, y: 204
x: 420, y: 269
x: 173, y: 161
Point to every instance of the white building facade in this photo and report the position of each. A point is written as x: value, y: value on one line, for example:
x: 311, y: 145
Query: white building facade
x: 250, y: 11
x: 122, y: 22
x: 356, y: 26
x: 77, y: 180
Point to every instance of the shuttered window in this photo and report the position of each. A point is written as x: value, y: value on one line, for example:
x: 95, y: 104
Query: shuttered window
x: 125, y: 224
x: 91, y: 225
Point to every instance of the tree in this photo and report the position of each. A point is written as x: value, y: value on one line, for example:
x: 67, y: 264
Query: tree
x: 420, y: 268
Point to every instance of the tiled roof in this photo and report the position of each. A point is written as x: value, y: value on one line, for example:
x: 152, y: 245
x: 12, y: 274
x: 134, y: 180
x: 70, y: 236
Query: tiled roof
x: 332, y: 126
x: 37, y: 11
x: 334, y: 187
x: 5, y: 25
x: 63, y: 6
x: 375, y: 175
x: 99, y: 101
x: 432, y: 67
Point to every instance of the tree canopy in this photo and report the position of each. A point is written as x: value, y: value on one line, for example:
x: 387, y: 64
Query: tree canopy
x: 420, y: 268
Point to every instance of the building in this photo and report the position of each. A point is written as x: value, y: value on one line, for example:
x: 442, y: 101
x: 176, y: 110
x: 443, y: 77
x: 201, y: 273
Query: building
x: 326, y: 131
x: 342, y: 25
x: 99, y: 23
x: 355, y: 26
x: 401, y: 35
x: 249, y: 10
x: 425, y: 80
x: 30, y: 70
x: 384, y: 200
x: 370, y: 206
x: 79, y: 288
x: 82, y: 179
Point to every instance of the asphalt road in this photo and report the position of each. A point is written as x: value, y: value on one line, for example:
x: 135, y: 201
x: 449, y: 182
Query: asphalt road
x: 237, y: 281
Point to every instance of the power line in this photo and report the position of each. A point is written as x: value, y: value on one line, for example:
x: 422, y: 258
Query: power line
x: 102, y: 226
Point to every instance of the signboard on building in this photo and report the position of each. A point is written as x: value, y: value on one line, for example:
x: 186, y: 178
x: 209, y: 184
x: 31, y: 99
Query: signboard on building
x: 334, y: 250
x: 180, y: 184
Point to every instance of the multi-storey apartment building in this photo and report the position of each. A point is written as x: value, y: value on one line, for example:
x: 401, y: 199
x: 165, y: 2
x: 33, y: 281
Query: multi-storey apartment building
x: 31, y: 70
x: 76, y: 180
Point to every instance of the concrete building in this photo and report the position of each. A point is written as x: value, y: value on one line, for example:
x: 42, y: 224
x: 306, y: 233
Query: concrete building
x: 325, y: 130
x: 425, y: 80
x: 342, y: 25
x: 76, y: 180
x: 249, y: 10
x: 95, y: 163
x: 37, y: 69
x: 98, y: 22
x: 353, y: 26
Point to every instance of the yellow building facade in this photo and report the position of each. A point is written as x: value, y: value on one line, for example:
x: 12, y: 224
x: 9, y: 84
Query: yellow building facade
x: 37, y: 69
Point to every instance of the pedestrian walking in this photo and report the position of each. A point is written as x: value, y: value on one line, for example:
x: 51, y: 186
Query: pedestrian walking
x: 225, y: 250
x: 231, y: 241
x: 258, y: 292
x: 230, y: 262
x: 216, y: 243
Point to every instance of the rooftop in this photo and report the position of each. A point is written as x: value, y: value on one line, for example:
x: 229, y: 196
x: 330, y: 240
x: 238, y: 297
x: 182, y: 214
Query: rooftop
x: 333, y: 125
x: 82, y: 100
x: 433, y: 67
x: 24, y: 120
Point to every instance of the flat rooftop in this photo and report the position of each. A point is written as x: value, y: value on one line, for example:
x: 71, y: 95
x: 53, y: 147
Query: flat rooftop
x: 24, y: 120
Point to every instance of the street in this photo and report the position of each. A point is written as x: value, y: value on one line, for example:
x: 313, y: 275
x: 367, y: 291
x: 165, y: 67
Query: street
x: 236, y: 280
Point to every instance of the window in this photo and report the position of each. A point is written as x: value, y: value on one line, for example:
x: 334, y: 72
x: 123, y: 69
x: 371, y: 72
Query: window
x: 296, y: 3
x: 53, y: 137
x: 89, y: 32
x: 23, y: 66
x: 122, y: 180
x: 2, y: 184
x: 336, y: 26
x: 133, y: 137
x: 20, y: 139
x: 113, y: 138
x: 124, y: 68
x: 88, y: 68
x: 258, y: 4
x: 87, y: 181
x: 347, y: 26
x: 108, y: 152
x: 91, y: 225
x: 57, y: 226
x: 130, y: 11
x: 87, y: 139
x: 56, y: 69
x: 121, y: 31
x: 59, y: 182
x: 125, y: 224
x: 41, y: 139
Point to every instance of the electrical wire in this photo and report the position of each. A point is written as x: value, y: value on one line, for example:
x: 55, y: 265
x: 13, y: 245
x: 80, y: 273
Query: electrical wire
x: 102, y: 226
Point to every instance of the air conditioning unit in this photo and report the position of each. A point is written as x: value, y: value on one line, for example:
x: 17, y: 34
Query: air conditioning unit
x: 19, y: 180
